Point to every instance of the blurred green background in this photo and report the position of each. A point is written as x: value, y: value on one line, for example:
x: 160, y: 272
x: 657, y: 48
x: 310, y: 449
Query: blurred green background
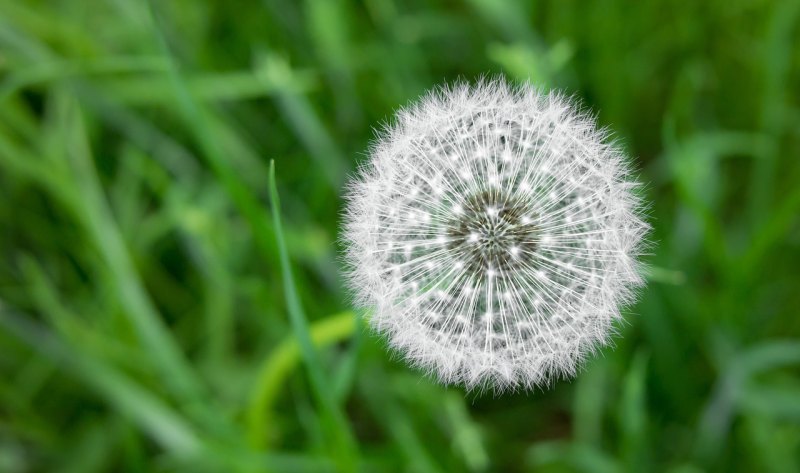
x: 145, y: 321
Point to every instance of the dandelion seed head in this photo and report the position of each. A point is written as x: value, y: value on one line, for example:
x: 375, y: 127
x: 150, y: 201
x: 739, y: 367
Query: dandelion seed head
x: 494, y: 235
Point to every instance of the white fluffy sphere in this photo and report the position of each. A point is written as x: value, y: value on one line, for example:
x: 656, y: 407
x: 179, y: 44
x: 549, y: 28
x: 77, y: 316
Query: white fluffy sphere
x: 493, y: 235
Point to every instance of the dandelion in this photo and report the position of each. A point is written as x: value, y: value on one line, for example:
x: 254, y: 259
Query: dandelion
x: 493, y: 234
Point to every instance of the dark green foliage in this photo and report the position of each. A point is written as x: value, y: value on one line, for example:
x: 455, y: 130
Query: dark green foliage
x: 144, y: 319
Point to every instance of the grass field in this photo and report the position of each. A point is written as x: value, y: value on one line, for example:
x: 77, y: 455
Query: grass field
x: 148, y: 320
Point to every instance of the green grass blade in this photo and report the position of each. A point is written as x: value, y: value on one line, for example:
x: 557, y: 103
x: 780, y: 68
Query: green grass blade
x: 342, y: 442
x: 277, y: 367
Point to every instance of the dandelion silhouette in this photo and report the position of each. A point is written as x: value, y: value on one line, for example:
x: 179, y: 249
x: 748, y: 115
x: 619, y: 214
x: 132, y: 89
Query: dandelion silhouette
x: 494, y: 233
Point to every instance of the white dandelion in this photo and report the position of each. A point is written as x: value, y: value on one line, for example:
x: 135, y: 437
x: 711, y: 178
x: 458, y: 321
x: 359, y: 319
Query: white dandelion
x: 494, y: 234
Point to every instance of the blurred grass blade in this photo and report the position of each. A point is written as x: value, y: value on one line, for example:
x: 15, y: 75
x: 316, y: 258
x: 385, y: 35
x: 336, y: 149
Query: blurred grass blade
x: 329, y: 21
x: 773, y: 443
x: 344, y: 378
x: 303, y: 119
x: 388, y: 412
x: 466, y: 433
x: 156, y: 418
x: 664, y: 275
x: 576, y: 457
x: 220, y: 87
x: 731, y: 387
x: 176, y: 372
x: 779, y: 51
x: 589, y: 403
x: 57, y: 70
x: 633, y: 415
x: 195, y: 116
x: 777, y: 402
x: 770, y: 233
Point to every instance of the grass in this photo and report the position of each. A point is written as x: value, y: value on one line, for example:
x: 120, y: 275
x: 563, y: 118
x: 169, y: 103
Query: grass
x: 169, y: 301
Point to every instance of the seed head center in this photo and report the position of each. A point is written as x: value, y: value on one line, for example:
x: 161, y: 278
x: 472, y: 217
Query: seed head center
x: 493, y: 231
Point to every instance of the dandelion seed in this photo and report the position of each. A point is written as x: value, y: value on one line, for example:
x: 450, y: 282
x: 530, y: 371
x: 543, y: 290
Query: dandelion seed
x: 536, y: 226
